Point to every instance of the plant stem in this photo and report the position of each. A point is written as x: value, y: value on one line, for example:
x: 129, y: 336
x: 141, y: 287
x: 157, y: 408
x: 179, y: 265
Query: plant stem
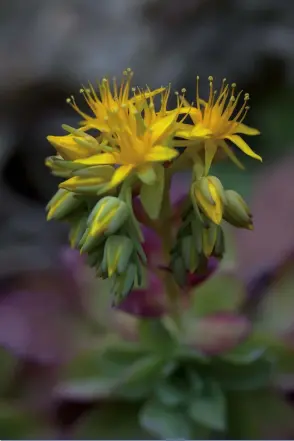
x: 165, y: 230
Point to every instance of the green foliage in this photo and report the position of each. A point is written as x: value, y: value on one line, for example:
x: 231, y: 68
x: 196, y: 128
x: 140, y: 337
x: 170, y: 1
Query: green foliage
x: 222, y: 292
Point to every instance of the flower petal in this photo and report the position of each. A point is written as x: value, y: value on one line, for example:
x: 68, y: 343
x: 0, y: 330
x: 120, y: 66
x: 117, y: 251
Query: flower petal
x: 246, y: 130
x: 193, y: 132
x: 100, y: 159
x: 120, y: 174
x: 161, y: 153
x: 160, y: 127
x: 239, y: 142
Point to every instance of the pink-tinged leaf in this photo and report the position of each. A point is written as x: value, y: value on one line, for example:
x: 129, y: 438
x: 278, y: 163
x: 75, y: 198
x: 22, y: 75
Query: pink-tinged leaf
x: 198, y: 278
x: 217, y: 333
x: 149, y: 302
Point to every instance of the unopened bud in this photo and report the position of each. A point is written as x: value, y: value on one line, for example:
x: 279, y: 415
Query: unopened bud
x: 107, y: 217
x: 206, y: 193
x: 62, y: 205
x: 236, y: 211
x: 117, y: 253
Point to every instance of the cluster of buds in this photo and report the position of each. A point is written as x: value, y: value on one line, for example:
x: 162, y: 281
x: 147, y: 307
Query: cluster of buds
x: 106, y: 233
x: 126, y: 149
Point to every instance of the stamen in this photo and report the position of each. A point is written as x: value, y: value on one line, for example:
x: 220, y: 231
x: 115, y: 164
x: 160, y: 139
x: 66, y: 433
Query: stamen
x: 197, y: 92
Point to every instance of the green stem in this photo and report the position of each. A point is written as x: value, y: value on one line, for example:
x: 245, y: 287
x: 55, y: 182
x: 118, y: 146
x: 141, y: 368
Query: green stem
x: 166, y: 234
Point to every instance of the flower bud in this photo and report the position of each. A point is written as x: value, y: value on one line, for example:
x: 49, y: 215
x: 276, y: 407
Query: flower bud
x: 75, y: 145
x: 124, y: 283
x: 236, y: 211
x: 89, y: 180
x: 63, y: 204
x: 208, y: 195
x: 117, y: 254
x: 107, y: 217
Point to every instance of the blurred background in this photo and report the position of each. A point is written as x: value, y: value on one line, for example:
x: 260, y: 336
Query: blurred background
x: 47, y: 49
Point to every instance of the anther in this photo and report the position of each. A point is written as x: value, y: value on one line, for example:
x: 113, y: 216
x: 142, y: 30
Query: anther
x: 82, y: 90
x: 183, y: 90
x: 68, y: 100
x: 210, y: 78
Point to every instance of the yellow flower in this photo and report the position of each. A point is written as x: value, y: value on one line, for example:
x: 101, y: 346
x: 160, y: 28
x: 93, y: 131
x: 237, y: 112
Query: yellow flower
x: 107, y: 100
x: 137, y: 144
x: 216, y: 121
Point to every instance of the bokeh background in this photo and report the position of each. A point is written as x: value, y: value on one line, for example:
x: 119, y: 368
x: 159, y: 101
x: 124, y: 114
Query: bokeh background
x: 47, y: 49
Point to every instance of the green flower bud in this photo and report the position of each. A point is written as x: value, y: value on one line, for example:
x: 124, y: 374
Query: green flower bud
x: 124, y: 283
x: 89, y: 180
x: 77, y: 230
x: 117, y: 254
x: 219, y: 248
x: 189, y: 254
x: 178, y: 268
x: 209, y: 236
x: 63, y: 204
x: 107, y: 217
x: 236, y: 211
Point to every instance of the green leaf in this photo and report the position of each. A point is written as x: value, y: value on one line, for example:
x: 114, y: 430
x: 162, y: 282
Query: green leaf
x: 165, y: 422
x: 112, y: 421
x: 151, y: 194
x: 240, y: 376
x: 174, y: 390
x: 140, y: 379
x: 261, y: 414
x: 156, y: 337
x: 222, y: 292
x: 247, y: 351
x: 16, y: 423
x: 170, y: 394
x: 209, y: 408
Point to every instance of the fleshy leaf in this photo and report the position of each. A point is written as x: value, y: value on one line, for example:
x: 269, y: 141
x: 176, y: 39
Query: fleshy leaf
x: 209, y: 408
x: 151, y: 194
x: 164, y: 422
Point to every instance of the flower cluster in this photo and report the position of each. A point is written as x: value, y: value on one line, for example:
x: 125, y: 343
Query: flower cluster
x: 128, y: 149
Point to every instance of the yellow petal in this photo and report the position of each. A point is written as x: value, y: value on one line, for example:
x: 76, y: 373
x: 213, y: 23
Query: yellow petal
x: 194, y: 132
x: 100, y: 159
x: 239, y: 142
x: 246, y: 130
x: 68, y: 148
x: 160, y: 127
x: 120, y: 174
x: 161, y: 153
